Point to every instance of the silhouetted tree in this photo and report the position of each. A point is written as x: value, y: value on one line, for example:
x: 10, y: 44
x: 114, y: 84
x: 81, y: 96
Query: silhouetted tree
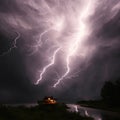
x: 111, y: 93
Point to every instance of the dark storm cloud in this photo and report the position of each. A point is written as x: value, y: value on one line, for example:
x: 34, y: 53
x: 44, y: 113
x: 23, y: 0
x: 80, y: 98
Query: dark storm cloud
x: 104, y: 65
x: 14, y: 84
x: 16, y: 76
x: 17, y: 16
x: 111, y: 29
x: 10, y: 7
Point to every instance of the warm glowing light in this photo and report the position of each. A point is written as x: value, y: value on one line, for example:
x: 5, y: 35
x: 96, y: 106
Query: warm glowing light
x: 49, y: 100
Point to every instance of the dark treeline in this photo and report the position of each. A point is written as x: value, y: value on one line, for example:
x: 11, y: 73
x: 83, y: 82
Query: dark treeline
x: 110, y: 93
x: 110, y: 97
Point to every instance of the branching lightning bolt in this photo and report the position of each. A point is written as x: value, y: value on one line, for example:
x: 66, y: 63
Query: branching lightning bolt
x: 80, y: 32
x: 56, y: 26
x: 41, y: 35
x: 74, y: 45
x: 13, y: 45
x: 47, y: 66
x: 39, y: 42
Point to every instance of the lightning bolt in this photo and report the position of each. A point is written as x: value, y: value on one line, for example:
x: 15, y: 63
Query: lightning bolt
x: 47, y: 66
x: 39, y: 42
x: 57, y: 26
x: 13, y: 45
x: 41, y: 35
x: 80, y: 34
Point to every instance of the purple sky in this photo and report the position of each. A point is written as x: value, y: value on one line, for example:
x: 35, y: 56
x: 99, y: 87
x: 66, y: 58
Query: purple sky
x: 87, y: 33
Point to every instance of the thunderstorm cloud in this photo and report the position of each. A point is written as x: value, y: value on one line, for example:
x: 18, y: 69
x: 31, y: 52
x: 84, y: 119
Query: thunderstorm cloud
x: 86, y: 35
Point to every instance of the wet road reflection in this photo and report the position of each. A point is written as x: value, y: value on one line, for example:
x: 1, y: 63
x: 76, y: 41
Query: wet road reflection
x: 94, y: 113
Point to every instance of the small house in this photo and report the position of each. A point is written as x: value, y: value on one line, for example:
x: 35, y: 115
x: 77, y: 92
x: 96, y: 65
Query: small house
x: 49, y: 100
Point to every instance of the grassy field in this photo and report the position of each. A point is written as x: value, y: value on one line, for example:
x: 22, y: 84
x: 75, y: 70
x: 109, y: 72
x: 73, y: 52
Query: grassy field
x: 40, y: 112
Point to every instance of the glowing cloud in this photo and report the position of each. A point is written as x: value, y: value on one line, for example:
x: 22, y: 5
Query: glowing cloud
x: 80, y: 32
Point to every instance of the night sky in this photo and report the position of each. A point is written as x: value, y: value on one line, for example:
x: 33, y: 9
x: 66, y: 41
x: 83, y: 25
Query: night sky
x: 32, y: 30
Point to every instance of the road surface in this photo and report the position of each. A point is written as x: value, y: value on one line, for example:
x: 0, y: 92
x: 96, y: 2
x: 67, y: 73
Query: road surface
x: 94, y: 113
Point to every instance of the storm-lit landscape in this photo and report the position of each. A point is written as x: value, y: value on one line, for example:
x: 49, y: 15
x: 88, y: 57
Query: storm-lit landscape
x: 60, y: 59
